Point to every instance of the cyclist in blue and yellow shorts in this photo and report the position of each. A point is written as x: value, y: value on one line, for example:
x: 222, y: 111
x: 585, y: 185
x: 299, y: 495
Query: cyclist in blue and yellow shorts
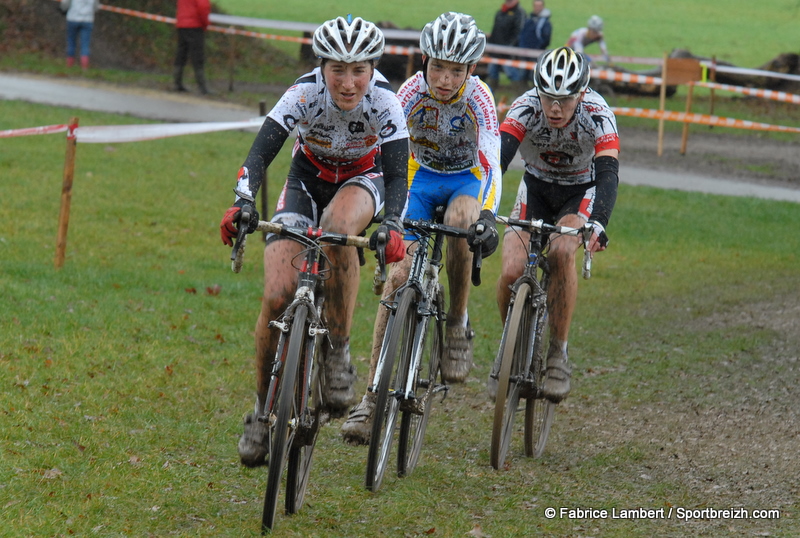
x: 455, y: 161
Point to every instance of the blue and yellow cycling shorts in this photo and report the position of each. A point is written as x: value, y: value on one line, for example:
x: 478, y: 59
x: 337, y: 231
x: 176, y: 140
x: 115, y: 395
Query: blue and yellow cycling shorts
x: 428, y: 189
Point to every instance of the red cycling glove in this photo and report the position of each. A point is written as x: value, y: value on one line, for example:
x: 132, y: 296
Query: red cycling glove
x: 227, y: 228
x: 395, y: 247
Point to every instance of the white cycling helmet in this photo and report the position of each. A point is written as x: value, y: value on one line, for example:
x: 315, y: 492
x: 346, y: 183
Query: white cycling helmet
x: 561, y: 72
x: 453, y: 37
x: 349, y: 41
x: 595, y: 23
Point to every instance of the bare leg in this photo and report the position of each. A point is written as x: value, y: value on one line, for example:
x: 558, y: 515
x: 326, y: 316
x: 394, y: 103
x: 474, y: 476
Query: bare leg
x: 280, y: 281
x: 563, y: 291
x: 515, y: 254
x: 349, y: 212
x: 461, y: 213
x: 561, y: 297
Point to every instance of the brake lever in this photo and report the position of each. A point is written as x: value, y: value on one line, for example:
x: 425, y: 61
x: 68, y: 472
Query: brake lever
x: 477, y: 258
x: 237, y: 253
x: 587, y: 254
x: 379, y: 279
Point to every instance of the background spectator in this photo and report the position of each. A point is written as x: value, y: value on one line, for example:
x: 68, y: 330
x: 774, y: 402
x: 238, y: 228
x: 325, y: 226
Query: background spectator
x: 80, y: 22
x: 191, y: 22
x: 592, y: 33
x: 507, y: 25
x: 536, y: 32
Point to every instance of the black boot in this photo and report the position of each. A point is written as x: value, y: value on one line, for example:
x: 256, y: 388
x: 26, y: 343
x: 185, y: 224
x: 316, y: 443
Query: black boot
x: 200, y: 76
x: 177, y: 76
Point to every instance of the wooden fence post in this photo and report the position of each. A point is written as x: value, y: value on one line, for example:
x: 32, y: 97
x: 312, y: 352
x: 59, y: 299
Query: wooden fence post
x: 661, y: 104
x: 66, y: 194
x: 685, y: 134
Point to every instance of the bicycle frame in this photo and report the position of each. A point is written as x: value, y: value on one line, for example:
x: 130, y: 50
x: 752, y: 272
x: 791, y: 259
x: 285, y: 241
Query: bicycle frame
x: 423, y: 277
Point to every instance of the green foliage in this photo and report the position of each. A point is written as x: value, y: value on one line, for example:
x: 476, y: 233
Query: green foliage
x: 125, y: 373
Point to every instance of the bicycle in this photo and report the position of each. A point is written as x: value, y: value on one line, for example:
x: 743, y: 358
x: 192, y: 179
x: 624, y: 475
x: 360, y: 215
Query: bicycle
x: 408, y: 365
x: 295, y: 408
x: 522, y: 349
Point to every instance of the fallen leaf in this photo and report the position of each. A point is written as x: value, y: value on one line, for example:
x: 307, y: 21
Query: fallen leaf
x: 213, y: 290
x: 190, y: 290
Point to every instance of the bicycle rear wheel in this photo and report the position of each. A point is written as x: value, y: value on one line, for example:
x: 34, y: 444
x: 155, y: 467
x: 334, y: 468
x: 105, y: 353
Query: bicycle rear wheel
x: 284, y: 429
x: 516, y: 339
x: 302, y: 449
x: 539, y: 411
x: 397, y: 344
x: 414, y: 420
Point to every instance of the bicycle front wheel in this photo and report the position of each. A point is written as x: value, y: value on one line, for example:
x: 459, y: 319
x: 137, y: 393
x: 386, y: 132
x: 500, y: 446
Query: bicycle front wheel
x: 309, y: 402
x: 397, y: 344
x: 286, y: 413
x: 516, y: 344
x: 539, y: 411
x: 415, y: 416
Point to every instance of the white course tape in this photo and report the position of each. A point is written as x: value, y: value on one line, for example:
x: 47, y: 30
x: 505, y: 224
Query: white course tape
x: 110, y: 134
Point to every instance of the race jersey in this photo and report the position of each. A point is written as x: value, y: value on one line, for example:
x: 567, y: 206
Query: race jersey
x: 448, y: 138
x: 579, y: 40
x: 563, y: 156
x: 341, y: 144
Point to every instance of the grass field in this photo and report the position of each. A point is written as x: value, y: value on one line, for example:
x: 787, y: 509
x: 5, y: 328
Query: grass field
x: 125, y: 374
x: 736, y: 31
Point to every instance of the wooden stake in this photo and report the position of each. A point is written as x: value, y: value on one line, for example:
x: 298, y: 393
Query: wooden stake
x: 713, y: 77
x: 66, y: 194
x: 661, y: 103
x: 685, y: 136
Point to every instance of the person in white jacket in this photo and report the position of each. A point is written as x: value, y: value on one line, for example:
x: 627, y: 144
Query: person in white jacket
x: 80, y: 23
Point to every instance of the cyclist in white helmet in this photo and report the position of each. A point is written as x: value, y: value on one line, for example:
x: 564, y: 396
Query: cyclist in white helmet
x: 349, y: 161
x: 455, y: 162
x: 567, y: 137
x: 591, y: 33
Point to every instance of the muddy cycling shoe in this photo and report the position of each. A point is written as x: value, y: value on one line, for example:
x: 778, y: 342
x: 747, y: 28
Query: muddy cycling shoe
x: 338, y: 382
x: 357, y: 429
x: 457, y: 359
x: 556, y: 383
x: 254, y: 442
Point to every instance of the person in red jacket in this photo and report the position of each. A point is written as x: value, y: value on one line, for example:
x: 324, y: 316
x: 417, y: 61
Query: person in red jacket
x: 191, y: 22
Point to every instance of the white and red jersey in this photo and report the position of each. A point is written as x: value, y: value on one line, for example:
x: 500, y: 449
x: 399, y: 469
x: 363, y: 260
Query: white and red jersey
x: 579, y: 40
x: 455, y: 136
x: 343, y: 143
x: 562, y: 156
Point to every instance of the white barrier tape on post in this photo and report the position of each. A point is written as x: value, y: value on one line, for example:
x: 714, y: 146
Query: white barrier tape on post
x: 766, y: 94
x: 703, y: 119
x: 46, y: 129
x: 110, y: 134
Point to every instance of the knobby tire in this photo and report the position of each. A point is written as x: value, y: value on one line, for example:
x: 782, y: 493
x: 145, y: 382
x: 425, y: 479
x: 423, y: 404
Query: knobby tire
x: 302, y: 449
x: 286, y: 413
x: 515, y: 343
x: 395, y: 346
